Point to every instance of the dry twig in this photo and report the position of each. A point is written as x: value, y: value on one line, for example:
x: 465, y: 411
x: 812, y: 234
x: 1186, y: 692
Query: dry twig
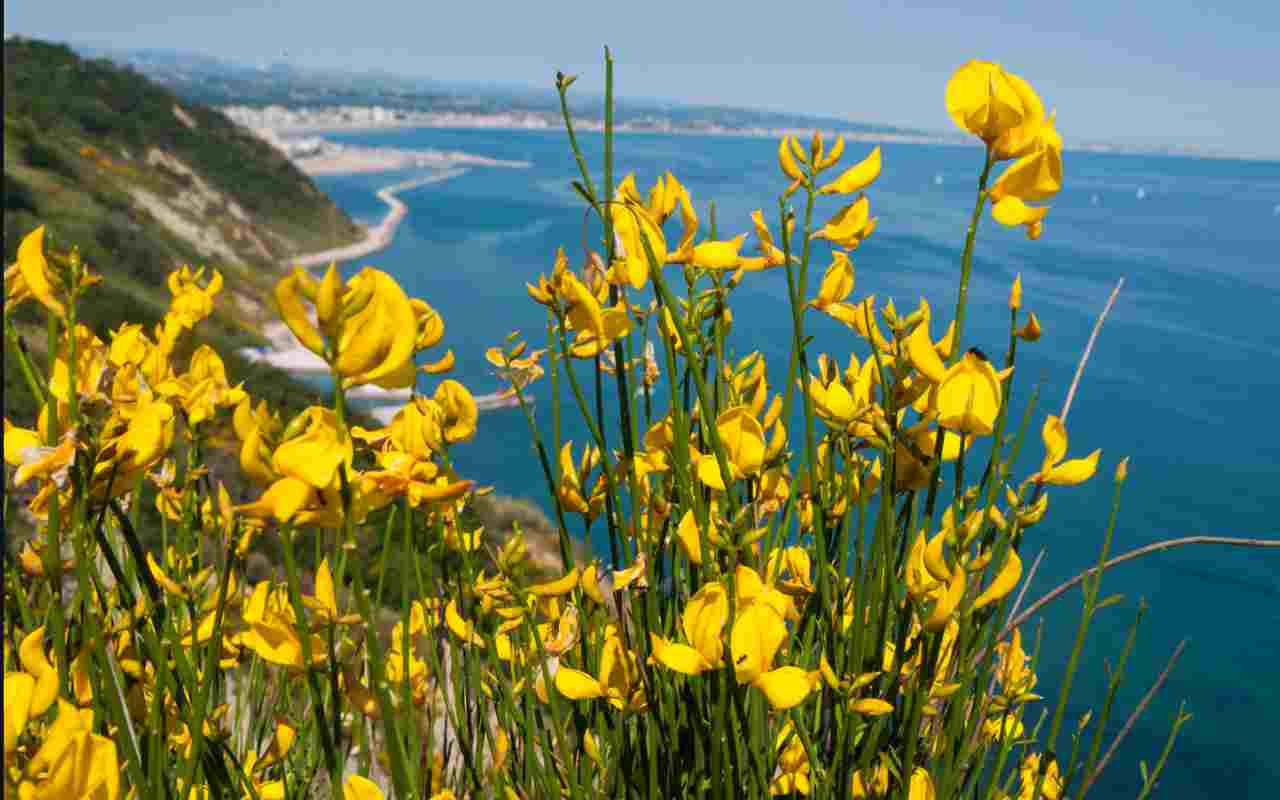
x: 1088, y: 348
x: 1156, y: 547
x: 1133, y: 719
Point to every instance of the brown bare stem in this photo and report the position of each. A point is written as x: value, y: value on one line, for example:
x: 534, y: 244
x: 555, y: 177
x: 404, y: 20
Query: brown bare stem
x: 1088, y: 348
x: 1031, y: 574
x: 1133, y: 718
x: 1167, y: 544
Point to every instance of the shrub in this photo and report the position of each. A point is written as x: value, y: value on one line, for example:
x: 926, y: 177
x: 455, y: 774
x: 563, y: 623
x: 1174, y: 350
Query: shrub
x: 802, y: 601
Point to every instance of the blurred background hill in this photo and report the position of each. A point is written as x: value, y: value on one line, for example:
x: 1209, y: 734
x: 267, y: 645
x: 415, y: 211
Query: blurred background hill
x: 142, y: 181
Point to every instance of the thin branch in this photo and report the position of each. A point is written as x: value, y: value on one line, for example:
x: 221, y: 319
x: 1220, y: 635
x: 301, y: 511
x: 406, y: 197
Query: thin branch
x: 1167, y: 544
x: 1088, y: 349
x: 1133, y: 718
x: 1026, y: 584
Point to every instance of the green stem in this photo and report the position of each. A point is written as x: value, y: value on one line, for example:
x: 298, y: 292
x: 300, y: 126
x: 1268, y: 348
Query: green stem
x: 24, y: 362
x: 966, y: 258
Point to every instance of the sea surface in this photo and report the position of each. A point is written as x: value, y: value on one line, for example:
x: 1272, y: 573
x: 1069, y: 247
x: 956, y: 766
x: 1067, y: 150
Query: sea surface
x: 1184, y: 379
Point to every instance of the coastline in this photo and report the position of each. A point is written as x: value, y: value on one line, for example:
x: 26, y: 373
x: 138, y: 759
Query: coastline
x: 378, y: 237
x: 305, y: 121
x: 448, y: 122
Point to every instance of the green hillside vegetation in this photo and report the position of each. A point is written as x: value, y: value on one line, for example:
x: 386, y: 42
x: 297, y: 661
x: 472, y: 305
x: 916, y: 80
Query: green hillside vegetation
x: 142, y: 182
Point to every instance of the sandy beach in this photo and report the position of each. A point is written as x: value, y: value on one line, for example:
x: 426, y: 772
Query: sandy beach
x: 335, y: 159
x: 379, y: 236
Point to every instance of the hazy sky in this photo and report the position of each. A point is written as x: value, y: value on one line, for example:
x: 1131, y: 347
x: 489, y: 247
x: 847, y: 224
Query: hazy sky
x: 1153, y: 71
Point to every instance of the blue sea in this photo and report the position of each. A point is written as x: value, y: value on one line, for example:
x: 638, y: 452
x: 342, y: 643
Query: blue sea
x: 1184, y: 379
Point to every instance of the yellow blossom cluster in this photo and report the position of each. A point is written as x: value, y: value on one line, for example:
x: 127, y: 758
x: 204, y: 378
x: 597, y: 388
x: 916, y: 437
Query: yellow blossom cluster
x: 797, y: 599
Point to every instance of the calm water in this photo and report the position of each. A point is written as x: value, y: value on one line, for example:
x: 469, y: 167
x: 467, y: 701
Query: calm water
x: 1184, y: 379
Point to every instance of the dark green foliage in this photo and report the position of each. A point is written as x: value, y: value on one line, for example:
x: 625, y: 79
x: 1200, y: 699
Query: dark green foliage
x: 17, y: 196
x: 47, y: 157
x: 56, y: 103
x: 77, y: 135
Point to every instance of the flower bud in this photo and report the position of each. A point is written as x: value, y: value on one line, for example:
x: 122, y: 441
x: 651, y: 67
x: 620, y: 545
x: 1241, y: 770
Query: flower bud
x: 1030, y: 331
x: 1015, y: 293
x: 1122, y: 470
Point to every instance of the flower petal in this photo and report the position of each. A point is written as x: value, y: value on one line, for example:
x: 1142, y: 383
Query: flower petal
x: 785, y: 687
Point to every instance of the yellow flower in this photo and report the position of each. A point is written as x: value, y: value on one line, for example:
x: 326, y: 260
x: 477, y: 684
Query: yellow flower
x: 73, y: 762
x: 1011, y: 211
x: 377, y: 341
x: 1003, y: 583
x: 458, y: 413
x: 273, y: 632
x: 921, y: 786
x: 555, y: 588
x: 850, y: 226
x: 357, y: 787
x: 664, y: 197
x: 39, y: 280
x: 1035, y: 176
x: 324, y: 603
x: 423, y: 482
x: 1021, y: 139
x: 573, y: 479
x: 837, y: 283
x: 947, y: 596
x: 923, y: 354
x: 24, y: 449
x: 204, y: 388
x: 1053, y: 470
x: 793, y: 774
x: 718, y: 255
x: 315, y: 455
x: 969, y: 396
x: 19, y: 690
x: 1029, y: 777
x: 191, y: 303
x: 771, y: 255
x: 636, y: 574
x: 519, y: 371
x: 848, y: 407
x: 1014, y: 675
x: 758, y: 632
x: 1002, y: 728
x: 743, y: 440
x: 857, y: 177
x: 136, y: 444
x: 789, y: 569
x: 787, y: 148
x: 704, y: 617
x: 618, y: 682
x: 871, y: 782
x: 83, y: 377
x: 689, y: 537
x: 546, y: 290
x: 596, y: 327
x: 634, y: 228
x: 986, y: 101
x: 370, y: 325
x: 31, y: 656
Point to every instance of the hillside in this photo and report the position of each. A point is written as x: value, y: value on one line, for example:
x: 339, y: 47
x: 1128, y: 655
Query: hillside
x: 141, y: 182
